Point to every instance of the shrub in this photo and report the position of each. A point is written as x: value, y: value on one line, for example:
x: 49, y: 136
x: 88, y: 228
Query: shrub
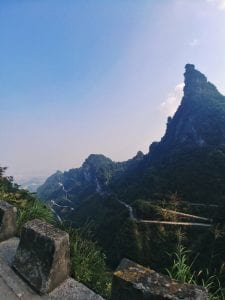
x: 34, y: 210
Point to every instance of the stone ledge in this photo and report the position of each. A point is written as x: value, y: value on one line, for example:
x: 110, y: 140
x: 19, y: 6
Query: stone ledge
x: 43, y: 256
x: 135, y: 282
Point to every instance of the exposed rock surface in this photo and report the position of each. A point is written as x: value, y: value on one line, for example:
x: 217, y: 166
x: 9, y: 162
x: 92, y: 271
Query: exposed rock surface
x: 12, y: 286
x: 7, y: 220
x: 135, y: 282
x: 43, y: 257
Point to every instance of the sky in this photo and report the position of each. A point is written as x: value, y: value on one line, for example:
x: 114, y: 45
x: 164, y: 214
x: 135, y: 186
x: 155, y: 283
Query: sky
x: 95, y: 76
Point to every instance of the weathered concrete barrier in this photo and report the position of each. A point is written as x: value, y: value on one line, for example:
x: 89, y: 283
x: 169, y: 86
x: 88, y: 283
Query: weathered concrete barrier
x: 134, y: 282
x: 42, y: 257
x: 7, y: 220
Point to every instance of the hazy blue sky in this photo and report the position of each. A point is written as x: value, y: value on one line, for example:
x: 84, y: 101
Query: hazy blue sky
x: 81, y: 77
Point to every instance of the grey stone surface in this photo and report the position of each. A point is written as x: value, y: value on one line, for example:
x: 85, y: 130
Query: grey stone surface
x: 13, y: 287
x: 135, y: 282
x: 11, y: 284
x: 7, y: 220
x: 5, y: 292
x: 42, y: 257
x: 8, y: 250
x: 73, y: 290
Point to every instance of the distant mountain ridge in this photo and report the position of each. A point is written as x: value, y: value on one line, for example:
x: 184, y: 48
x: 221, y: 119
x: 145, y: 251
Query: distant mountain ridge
x: 32, y: 184
x: 94, y: 176
x: 194, y: 139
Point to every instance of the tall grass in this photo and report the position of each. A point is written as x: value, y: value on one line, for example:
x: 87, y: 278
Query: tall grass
x: 181, y: 270
x: 89, y: 263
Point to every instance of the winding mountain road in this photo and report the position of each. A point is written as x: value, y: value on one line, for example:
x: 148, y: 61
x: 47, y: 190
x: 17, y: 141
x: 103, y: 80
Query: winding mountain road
x: 175, y: 223
x: 133, y: 218
x: 63, y: 206
x: 186, y: 215
x: 130, y: 209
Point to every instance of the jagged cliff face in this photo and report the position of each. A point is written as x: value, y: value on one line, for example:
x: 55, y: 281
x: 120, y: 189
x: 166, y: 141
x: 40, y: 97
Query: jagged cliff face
x: 200, y: 118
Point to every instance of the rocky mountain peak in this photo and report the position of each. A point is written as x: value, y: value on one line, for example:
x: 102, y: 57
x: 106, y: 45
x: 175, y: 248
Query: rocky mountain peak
x: 199, y: 120
x: 97, y: 160
x: 193, y: 76
x: 139, y: 155
x: 195, y: 82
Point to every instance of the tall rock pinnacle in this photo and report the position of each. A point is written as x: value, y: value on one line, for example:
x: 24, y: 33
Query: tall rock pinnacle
x: 200, y: 118
x: 195, y: 81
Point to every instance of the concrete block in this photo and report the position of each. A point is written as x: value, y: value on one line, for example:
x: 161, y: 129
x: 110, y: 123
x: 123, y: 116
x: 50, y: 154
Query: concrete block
x: 43, y: 256
x: 135, y: 282
x: 7, y: 220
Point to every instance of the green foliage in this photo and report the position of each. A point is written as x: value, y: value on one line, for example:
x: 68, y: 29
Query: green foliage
x: 88, y: 262
x: 34, y: 210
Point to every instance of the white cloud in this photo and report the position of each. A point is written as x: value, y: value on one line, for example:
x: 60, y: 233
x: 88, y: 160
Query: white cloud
x: 220, y: 4
x: 194, y: 43
x: 169, y: 106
